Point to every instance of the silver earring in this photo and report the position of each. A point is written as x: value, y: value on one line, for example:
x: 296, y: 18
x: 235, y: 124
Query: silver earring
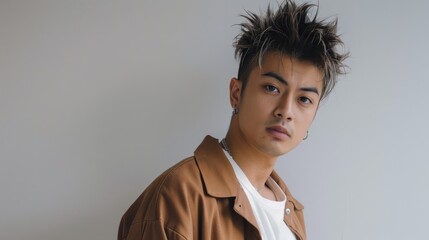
x: 306, y: 136
x: 234, y: 110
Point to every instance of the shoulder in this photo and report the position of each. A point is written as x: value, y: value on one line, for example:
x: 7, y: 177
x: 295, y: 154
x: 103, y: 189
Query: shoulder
x: 167, y: 203
x: 179, y: 181
x: 183, y: 172
x: 170, y: 199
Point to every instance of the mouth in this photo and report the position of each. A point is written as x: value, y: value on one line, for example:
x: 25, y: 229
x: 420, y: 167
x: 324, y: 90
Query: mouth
x: 278, y: 132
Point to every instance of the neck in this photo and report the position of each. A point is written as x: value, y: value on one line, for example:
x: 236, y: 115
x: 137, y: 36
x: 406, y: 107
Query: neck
x: 255, y: 164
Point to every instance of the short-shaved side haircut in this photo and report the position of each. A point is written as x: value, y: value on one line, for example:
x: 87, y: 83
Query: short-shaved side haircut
x: 290, y: 31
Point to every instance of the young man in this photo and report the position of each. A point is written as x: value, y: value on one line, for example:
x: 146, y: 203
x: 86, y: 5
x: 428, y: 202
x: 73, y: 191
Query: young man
x: 229, y: 189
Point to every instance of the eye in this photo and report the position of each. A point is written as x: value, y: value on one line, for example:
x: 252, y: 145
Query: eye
x: 271, y: 89
x: 305, y: 100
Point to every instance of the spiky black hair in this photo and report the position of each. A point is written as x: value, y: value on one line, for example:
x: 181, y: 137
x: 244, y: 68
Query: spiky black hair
x: 290, y: 31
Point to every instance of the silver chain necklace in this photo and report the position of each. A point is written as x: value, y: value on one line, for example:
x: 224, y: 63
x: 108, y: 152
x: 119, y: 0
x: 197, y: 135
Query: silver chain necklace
x: 224, y: 146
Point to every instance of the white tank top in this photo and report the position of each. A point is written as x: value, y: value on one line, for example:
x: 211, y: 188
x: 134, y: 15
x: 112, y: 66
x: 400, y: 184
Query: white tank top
x: 269, y: 214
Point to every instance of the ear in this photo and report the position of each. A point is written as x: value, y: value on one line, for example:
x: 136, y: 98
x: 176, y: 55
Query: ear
x: 234, y: 92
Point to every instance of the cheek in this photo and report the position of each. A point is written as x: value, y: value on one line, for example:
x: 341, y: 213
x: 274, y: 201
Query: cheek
x: 253, y: 115
x: 257, y: 106
x: 305, y: 120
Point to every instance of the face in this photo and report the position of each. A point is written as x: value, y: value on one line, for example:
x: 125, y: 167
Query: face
x: 278, y: 105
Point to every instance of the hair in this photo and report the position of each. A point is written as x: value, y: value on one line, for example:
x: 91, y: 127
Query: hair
x: 290, y: 31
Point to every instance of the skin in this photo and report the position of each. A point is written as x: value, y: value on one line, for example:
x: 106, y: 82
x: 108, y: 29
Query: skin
x: 275, y: 111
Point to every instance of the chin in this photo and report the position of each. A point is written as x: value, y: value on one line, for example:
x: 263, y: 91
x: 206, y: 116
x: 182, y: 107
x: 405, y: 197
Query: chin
x: 276, y: 152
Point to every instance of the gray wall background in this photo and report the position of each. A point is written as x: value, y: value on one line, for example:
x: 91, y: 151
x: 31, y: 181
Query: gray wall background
x: 97, y: 98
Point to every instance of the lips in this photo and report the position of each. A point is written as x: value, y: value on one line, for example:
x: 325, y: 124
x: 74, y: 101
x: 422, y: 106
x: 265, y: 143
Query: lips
x: 279, y: 132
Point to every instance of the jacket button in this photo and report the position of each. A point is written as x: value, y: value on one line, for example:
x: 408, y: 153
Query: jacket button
x: 287, y: 211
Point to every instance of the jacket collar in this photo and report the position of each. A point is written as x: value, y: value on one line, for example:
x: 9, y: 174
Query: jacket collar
x: 216, y: 171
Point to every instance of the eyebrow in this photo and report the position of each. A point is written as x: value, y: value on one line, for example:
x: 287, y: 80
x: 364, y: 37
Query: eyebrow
x: 284, y: 82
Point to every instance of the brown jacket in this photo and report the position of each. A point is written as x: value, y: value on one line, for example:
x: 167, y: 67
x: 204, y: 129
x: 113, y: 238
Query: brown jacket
x: 200, y: 198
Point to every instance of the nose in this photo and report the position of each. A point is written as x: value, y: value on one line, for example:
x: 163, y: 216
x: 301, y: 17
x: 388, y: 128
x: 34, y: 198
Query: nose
x: 285, y: 110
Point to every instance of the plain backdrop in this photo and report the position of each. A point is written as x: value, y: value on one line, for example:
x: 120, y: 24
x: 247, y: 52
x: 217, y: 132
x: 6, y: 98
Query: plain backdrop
x: 98, y: 97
